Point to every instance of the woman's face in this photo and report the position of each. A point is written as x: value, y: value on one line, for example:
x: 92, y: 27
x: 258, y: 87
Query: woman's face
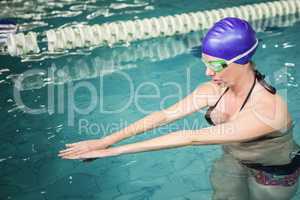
x: 225, y: 77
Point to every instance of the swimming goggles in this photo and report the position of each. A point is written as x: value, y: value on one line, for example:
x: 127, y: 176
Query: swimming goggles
x: 220, y: 64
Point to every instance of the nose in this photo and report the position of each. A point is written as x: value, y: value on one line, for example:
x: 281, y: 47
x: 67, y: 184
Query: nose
x: 209, y: 72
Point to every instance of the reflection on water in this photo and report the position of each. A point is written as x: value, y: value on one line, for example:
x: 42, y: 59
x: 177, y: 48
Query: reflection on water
x: 41, y: 12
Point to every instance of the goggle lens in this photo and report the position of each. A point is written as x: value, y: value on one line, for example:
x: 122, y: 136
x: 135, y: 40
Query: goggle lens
x: 216, y: 65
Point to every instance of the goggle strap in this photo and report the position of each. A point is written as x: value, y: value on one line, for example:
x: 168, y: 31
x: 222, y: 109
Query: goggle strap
x: 244, y: 54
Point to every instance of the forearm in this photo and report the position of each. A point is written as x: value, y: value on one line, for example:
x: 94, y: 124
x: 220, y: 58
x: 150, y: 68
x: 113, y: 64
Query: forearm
x: 149, y: 122
x: 172, y: 140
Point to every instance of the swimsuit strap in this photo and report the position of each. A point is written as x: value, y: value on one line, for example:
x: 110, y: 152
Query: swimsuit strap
x: 220, y: 97
x: 210, y: 109
x: 261, y: 79
x: 245, y: 101
x: 249, y: 93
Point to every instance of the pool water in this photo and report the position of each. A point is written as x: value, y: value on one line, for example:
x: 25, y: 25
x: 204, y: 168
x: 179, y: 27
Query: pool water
x: 163, y: 70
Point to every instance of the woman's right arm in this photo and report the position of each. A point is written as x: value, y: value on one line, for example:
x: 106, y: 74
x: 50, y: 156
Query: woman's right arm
x: 193, y: 102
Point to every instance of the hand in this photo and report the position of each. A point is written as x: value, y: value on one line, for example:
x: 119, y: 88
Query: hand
x: 94, y: 154
x: 82, y: 147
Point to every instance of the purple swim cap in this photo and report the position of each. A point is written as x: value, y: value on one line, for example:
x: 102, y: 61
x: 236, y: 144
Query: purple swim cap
x: 229, y: 38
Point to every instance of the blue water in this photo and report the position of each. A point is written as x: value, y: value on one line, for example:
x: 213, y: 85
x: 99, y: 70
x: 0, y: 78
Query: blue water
x: 29, y: 166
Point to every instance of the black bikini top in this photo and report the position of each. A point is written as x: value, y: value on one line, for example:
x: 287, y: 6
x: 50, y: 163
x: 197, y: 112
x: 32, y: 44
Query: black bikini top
x: 260, y: 78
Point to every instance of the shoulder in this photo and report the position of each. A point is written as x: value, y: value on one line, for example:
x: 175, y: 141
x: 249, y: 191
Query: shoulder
x: 270, y: 109
x: 210, y: 90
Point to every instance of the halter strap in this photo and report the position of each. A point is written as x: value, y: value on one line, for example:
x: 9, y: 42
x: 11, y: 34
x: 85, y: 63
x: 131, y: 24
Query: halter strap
x: 249, y: 93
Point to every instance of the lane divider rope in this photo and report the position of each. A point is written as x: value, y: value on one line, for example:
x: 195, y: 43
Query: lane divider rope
x: 109, y: 34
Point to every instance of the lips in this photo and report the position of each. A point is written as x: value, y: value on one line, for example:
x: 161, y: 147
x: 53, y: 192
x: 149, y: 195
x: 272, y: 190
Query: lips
x: 217, y: 81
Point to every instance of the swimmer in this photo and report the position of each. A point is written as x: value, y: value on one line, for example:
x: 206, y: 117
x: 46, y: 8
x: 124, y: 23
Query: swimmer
x: 247, y: 118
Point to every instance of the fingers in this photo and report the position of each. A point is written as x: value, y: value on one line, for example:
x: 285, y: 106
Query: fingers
x: 81, y: 150
x: 75, y: 156
x: 71, y: 157
x: 89, y: 155
x: 70, y: 152
x: 72, y: 149
x: 72, y: 144
x: 66, y: 150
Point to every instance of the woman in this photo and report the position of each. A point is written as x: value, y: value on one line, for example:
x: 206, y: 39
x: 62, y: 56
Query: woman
x: 247, y: 117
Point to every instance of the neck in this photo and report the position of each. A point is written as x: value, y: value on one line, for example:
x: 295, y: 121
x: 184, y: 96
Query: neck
x: 244, y: 82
